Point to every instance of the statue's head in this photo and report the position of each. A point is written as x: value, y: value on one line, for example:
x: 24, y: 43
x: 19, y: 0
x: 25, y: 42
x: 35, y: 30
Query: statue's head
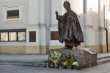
x: 66, y: 5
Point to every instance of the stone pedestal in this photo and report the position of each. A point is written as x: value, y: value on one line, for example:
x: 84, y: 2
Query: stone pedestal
x: 86, y: 57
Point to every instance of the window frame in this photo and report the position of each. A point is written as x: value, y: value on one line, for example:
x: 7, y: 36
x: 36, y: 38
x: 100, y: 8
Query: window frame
x: 13, y: 30
x: 9, y: 38
x: 13, y: 17
x: 54, y: 37
x: 30, y: 40
x: 1, y: 35
x: 18, y: 37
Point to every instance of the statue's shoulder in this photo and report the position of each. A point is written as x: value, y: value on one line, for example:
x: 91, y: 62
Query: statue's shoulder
x: 73, y: 13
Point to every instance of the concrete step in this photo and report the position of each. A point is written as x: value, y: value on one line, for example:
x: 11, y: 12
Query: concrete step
x: 103, y: 58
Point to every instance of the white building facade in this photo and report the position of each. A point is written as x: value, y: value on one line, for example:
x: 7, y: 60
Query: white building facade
x: 26, y: 26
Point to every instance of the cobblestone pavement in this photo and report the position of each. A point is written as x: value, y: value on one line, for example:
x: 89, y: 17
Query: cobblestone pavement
x: 8, y: 68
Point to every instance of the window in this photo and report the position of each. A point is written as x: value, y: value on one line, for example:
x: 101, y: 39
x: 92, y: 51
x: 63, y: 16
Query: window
x: 54, y: 35
x: 4, y: 36
x: 12, y: 14
x: 32, y: 36
x: 12, y: 36
x: 21, y: 36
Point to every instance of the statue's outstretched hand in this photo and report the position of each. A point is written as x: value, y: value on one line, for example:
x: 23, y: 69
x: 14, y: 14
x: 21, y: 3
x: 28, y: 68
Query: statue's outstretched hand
x: 56, y: 14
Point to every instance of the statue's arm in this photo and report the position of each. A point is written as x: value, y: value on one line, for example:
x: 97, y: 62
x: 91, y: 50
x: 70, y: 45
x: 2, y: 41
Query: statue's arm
x: 59, y: 17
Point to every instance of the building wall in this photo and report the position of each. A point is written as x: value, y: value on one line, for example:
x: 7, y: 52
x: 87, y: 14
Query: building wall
x: 32, y: 18
x: 95, y: 35
x: 39, y: 16
x: 13, y: 23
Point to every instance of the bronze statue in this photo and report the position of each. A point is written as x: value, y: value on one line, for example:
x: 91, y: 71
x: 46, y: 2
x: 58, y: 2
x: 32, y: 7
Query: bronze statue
x: 69, y: 27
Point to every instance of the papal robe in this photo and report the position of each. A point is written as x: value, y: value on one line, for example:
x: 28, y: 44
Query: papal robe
x: 69, y: 28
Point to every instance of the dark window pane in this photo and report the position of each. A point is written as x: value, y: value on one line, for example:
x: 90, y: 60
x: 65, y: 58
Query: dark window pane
x: 13, y: 14
x: 32, y: 36
x: 54, y: 35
